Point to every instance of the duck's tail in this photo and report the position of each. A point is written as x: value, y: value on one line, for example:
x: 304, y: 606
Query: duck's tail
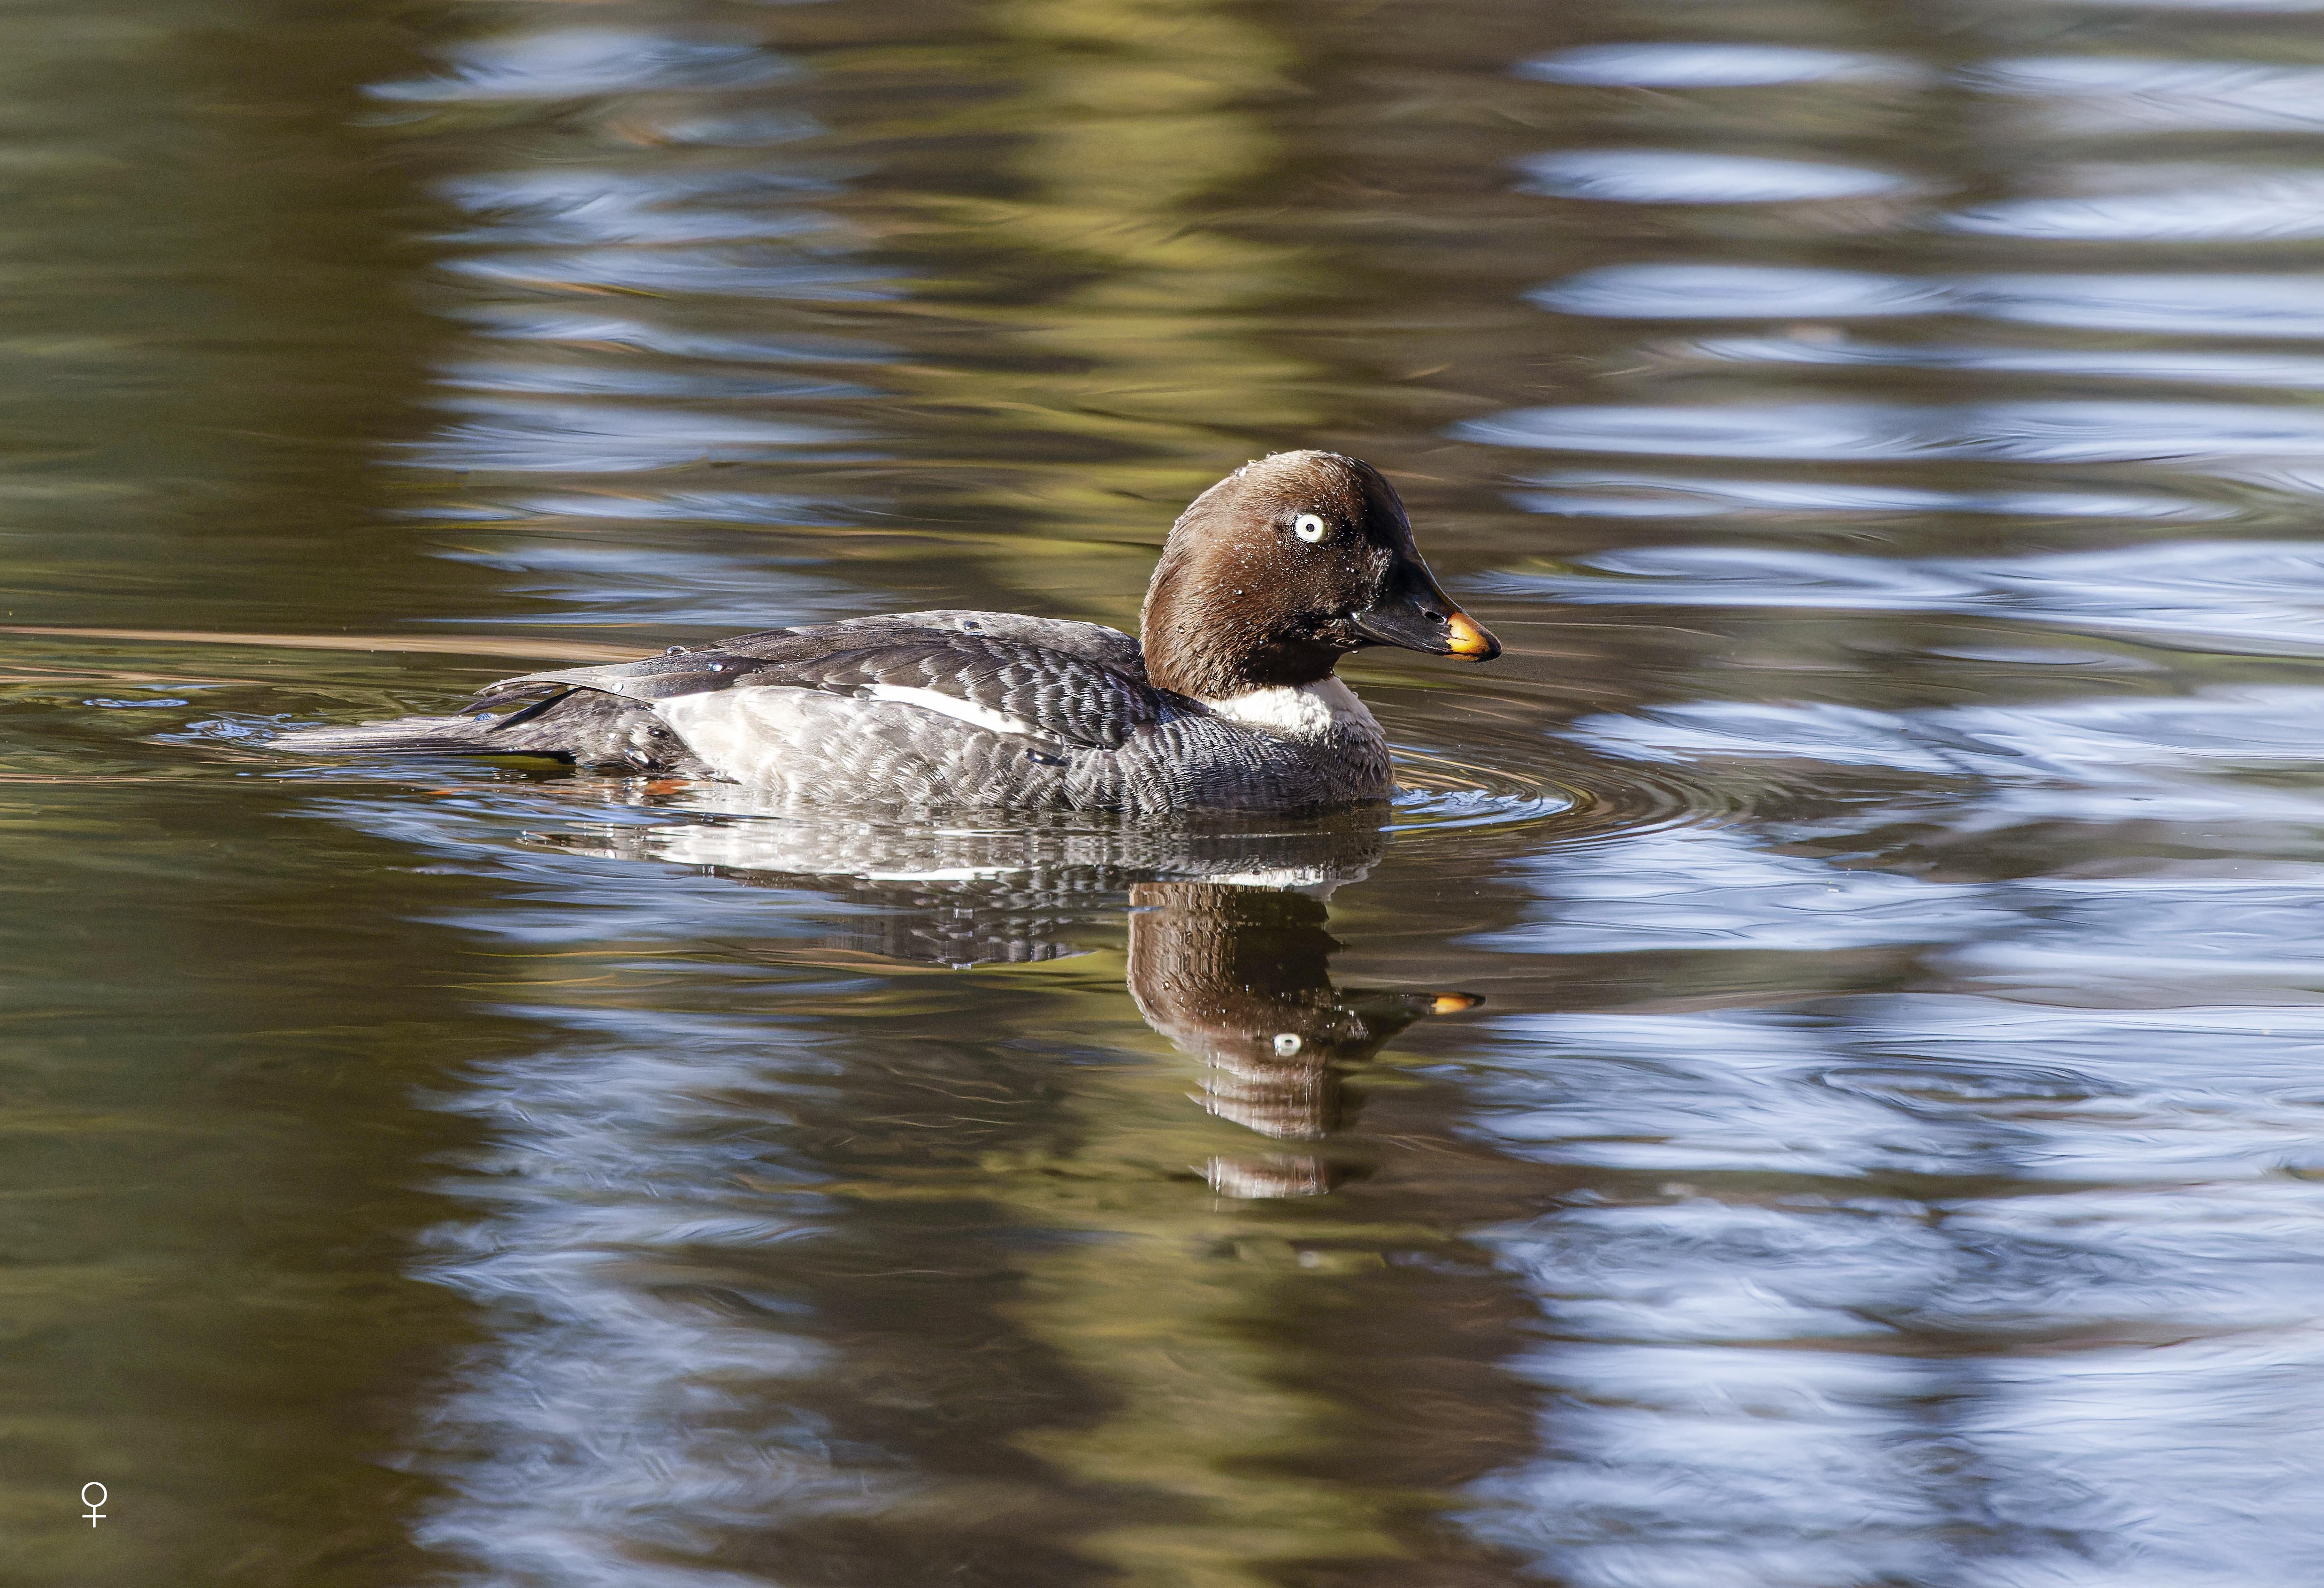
x: 406, y: 735
x: 575, y: 724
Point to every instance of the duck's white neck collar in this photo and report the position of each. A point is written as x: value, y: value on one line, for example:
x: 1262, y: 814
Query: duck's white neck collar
x: 1299, y: 711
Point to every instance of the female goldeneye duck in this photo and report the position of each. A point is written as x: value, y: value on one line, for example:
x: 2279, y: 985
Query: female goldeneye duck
x: 1230, y: 703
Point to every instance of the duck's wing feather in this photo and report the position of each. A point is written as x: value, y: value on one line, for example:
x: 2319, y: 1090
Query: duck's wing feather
x: 1068, y: 684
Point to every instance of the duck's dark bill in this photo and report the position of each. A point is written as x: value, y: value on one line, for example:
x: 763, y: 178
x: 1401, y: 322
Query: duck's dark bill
x: 1427, y: 622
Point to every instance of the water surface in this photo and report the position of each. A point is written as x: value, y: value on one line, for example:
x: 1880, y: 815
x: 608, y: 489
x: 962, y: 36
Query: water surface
x: 1816, y: 1082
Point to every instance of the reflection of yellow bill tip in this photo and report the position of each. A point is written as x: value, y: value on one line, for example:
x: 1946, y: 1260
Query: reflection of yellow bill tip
x: 1471, y: 642
x: 1453, y: 1002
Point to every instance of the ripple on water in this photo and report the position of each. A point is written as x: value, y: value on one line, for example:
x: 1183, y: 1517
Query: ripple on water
x: 1674, y: 176
x: 2168, y: 204
x: 574, y: 61
x: 1715, y: 65
x: 2259, y: 598
x: 1436, y: 792
x: 1517, y: 792
x: 2186, y: 433
x: 2087, y: 93
x: 1579, y: 495
x: 2242, y: 303
x: 1739, y: 292
x: 2157, y: 366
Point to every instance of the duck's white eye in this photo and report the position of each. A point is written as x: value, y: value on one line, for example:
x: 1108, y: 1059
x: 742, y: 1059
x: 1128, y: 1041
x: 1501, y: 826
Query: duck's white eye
x: 1288, y: 1043
x: 1309, y: 528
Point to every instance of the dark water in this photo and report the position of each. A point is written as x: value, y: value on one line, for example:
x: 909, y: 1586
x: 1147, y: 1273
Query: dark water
x: 1890, y: 860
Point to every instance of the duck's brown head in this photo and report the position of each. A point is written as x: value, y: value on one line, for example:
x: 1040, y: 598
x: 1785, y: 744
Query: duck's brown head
x: 1283, y: 567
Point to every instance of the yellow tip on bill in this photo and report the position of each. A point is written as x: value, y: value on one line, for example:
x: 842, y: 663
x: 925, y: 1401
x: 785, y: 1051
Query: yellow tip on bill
x: 1471, y: 642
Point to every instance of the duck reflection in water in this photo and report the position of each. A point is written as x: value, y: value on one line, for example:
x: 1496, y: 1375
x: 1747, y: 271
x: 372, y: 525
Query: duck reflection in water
x: 1229, y: 955
x: 1240, y: 977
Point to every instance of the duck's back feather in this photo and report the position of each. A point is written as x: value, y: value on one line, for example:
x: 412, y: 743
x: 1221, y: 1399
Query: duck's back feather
x: 1068, y: 685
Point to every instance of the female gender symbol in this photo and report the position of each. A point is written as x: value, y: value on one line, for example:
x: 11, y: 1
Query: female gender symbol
x: 95, y: 1515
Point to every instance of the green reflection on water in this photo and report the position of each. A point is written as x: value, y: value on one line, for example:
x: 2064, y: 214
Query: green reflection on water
x: 1147, y: 359
x: 212, y: 1023
x: 1135, y: 118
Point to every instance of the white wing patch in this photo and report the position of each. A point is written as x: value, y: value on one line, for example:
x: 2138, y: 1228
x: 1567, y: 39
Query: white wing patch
x: 952, y: 705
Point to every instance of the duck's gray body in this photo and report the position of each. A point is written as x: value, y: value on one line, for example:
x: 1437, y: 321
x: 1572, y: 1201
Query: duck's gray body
x: 1266, y: 580
x: 978, y: 710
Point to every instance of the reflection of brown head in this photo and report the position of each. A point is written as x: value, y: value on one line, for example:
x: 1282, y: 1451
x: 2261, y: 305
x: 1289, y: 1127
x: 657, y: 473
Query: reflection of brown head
x: 1240, y: 978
